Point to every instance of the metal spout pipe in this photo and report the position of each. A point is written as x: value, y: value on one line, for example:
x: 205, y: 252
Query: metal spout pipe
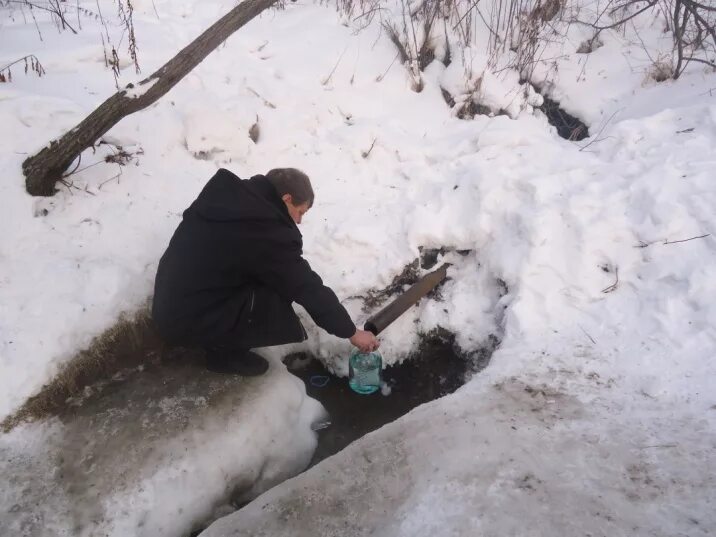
x: 381, y: 320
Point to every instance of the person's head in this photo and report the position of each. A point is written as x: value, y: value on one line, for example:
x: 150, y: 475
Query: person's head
x: 294, y: 188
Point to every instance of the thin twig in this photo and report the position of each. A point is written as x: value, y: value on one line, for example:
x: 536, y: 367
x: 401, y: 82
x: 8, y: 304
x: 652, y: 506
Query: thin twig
x: 644, y: 244
x: 266, y: 103
x: 55, y: 10
x: 369, y: 12
x: 365, y: 154
x: 613, y: 286
x: 587, y: 334
x: 37, y: 26
x: 651, y: 4
x: 686, y: 240
x: 699, y: 6
x: 326, y: 80
x: 89, y: 166
x: 70, y: 185
x: 700, y: 60
x: 79, y: 161
x: 596, y: 138
x: 30, y: 57
x: 117, y: 176
x: 381, y: 77
x: 473, y: 6
x: 67, y: 186
x: 494, y: 34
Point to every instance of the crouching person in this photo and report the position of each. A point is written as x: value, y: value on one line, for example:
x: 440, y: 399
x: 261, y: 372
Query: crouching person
x: 233, y: 268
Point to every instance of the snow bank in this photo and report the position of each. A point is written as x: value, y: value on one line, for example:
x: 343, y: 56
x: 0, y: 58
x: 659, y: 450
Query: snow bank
x: 158, y: 453
x: 597, y: 414
x: 549, y: 452
x: 470, y: 77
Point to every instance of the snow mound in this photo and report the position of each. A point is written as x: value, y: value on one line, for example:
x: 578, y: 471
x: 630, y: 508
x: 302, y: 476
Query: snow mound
x: 219, y: 134
x: 533, y: 453
x: 469, y: 78
x: 157, y: 453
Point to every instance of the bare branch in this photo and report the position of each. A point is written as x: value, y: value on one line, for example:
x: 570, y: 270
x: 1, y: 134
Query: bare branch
x: 643, y: 244
x: 54, y: 9
x: 326, y: 80
x: 613, y: 286
x: 596, y: 137
x: 365, y: 154
x: 382, y: 75
x: 700, y: 60
x: 687, y: 240
x: 34, y: 65
x: 651, y: 4
x: 587, y: 334
x: 266, y: 103
x: 698, y: 5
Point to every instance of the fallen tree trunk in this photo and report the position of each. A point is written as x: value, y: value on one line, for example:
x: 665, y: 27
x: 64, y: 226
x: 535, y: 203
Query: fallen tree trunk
x: 45, y: 168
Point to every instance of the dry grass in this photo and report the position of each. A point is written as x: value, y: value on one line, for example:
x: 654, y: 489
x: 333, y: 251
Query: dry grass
x: 377, y: 297
x: 132, y: 341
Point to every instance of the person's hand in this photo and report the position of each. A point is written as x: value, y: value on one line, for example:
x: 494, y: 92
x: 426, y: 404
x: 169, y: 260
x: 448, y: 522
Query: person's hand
x: 365, y: 341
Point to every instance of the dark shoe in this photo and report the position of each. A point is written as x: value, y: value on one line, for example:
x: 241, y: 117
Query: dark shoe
x: 243, y: 363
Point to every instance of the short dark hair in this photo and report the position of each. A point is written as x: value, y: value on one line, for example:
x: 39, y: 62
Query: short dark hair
x: 294, y: 182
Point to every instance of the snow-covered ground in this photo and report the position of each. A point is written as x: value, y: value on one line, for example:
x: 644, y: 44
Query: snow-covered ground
x: 162, y: 452
x: 597, y: 413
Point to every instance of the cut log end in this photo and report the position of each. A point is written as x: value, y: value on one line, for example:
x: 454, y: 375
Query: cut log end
x: 41, y: 180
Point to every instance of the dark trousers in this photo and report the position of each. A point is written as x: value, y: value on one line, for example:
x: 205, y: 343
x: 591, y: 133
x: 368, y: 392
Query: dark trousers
x: 270, y: 321
x: 255, y: 316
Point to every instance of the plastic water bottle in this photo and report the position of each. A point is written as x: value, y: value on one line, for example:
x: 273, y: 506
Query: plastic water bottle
x: 364, y: 371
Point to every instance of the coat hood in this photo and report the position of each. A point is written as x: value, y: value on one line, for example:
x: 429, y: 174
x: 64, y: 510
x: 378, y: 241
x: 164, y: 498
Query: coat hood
x: 227, y: 198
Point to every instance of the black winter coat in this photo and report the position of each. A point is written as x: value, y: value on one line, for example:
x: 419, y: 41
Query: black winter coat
x: 237, y: 235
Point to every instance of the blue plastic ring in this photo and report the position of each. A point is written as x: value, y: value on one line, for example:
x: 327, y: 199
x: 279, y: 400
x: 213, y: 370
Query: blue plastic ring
x: 319, y: 381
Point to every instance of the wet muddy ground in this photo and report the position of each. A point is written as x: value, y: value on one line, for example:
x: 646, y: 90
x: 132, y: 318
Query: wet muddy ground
x: 436, y: 370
